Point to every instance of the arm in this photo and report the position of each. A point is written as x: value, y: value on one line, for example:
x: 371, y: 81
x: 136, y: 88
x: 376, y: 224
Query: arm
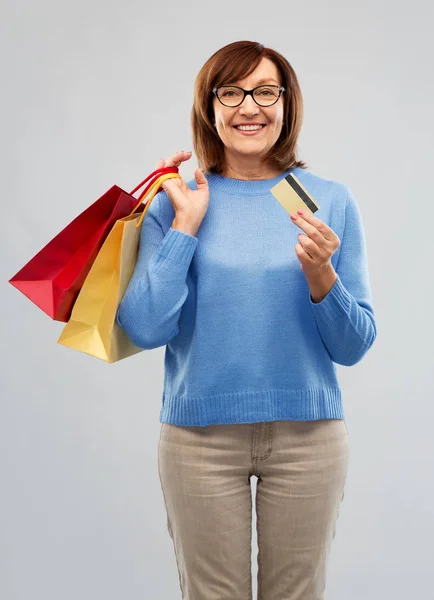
x: 150, y: 308
x: 345, y: 316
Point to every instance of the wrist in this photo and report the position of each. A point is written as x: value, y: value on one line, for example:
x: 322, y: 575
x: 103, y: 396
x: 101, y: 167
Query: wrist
x: 185, y: 225
x: 321, y: 284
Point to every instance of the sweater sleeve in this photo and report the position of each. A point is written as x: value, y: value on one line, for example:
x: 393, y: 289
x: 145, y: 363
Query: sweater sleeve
x: 345, y: 317
x: 150, y: 308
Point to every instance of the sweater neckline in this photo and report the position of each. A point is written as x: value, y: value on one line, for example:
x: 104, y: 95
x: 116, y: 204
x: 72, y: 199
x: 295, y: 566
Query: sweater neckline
x: 248, y: 187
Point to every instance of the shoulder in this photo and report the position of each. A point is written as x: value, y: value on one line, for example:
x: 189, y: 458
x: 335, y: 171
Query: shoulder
x: 322, y: 185
x: 335, y: 195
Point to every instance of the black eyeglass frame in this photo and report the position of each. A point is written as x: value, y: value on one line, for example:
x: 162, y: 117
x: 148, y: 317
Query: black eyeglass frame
x: 249, y: 93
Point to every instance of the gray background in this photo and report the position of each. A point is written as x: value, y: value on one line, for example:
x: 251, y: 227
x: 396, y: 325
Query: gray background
x: 82, y: 512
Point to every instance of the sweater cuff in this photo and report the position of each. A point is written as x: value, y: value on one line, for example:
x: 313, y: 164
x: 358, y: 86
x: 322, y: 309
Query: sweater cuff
x: 335, y: 304
x: 178, y: 246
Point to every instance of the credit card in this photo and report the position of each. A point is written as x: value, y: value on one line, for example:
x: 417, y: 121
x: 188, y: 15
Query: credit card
x: 293, y: 196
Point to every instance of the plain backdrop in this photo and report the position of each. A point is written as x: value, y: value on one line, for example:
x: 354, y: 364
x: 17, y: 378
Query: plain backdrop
x: 93, y: 94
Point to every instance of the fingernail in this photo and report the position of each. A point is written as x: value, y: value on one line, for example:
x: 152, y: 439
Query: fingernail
x: 300, y: 212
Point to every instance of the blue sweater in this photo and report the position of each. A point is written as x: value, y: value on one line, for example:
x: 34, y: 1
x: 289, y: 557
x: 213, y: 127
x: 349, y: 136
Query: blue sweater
x: 244, y: 341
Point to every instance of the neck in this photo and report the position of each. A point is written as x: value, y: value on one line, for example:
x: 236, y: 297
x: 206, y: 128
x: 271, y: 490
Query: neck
x: 250, y: 171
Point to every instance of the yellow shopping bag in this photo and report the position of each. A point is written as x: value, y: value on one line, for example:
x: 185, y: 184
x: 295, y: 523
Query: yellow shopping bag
x: 92, y: 327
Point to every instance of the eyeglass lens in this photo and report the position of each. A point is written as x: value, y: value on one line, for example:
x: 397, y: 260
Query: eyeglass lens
x: 264, y: 95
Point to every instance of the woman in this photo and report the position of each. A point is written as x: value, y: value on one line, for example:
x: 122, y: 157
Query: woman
x: 254, y: 308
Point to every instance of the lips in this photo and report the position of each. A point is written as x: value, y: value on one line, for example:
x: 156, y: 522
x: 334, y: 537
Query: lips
x: 249, y: 132
x: 249, y: 125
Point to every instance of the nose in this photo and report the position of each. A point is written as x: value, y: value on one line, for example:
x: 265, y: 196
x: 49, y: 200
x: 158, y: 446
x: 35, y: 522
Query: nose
x: 249, y: 105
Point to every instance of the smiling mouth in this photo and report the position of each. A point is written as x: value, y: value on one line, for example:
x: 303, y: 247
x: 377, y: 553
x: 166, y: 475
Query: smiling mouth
x: 250, y: 132
x: 260, y: 127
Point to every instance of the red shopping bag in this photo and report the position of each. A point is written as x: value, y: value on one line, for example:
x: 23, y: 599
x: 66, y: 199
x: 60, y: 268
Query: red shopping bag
x: 53, y: 278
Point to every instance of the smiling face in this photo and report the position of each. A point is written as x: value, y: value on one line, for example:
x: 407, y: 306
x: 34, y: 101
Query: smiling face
x: 244, y: 153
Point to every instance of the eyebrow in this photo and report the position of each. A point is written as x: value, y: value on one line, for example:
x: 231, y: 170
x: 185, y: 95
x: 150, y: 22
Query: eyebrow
x: 266, y: 80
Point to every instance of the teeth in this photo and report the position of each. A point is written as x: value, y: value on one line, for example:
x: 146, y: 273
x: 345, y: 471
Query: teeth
x: 249, y: 127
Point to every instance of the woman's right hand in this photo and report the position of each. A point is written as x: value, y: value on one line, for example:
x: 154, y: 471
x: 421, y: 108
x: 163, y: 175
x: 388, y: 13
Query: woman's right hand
x: 190, y: 206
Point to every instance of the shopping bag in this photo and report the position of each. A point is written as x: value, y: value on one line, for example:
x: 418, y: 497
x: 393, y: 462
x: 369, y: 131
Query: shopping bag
x: 54, y: 276
x: 92, y: 328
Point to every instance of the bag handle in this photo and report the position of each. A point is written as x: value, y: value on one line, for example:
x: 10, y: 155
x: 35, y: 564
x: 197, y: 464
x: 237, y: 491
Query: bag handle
x: 155, y: 174
x: 155, y: 186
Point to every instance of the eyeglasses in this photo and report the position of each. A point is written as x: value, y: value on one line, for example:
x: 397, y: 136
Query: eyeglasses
x: 263, y: 95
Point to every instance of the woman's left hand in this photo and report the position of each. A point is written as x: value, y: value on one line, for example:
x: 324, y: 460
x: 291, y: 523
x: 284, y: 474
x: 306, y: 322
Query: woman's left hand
x: 316, y: 246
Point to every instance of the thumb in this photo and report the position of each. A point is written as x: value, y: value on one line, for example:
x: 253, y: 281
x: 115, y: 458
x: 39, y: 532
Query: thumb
x: 201, y: 180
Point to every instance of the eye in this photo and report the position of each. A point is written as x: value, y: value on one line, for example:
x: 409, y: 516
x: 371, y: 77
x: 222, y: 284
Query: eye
x: 266, y: 91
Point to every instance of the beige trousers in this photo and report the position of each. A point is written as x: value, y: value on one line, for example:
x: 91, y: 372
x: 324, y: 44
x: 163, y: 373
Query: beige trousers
x: 205, y: 478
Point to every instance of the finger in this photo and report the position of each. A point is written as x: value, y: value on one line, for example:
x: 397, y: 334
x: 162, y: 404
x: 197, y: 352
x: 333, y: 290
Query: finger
x: 312, y: 232
x: 161, y: 163
x: 176, y: 159
x: 326, y: 231
x: 309, y: 245
x: 174, y: 183
x: 167, y: 186
x: 302, y: 254
x: 201, y: 180
x: 309, y: 229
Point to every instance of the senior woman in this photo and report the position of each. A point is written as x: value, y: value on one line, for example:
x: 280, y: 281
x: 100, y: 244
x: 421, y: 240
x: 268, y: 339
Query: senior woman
x: 254, y: 307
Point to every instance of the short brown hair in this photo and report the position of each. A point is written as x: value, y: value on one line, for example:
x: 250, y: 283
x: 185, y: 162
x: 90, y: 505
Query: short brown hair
x: 232, y: 62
